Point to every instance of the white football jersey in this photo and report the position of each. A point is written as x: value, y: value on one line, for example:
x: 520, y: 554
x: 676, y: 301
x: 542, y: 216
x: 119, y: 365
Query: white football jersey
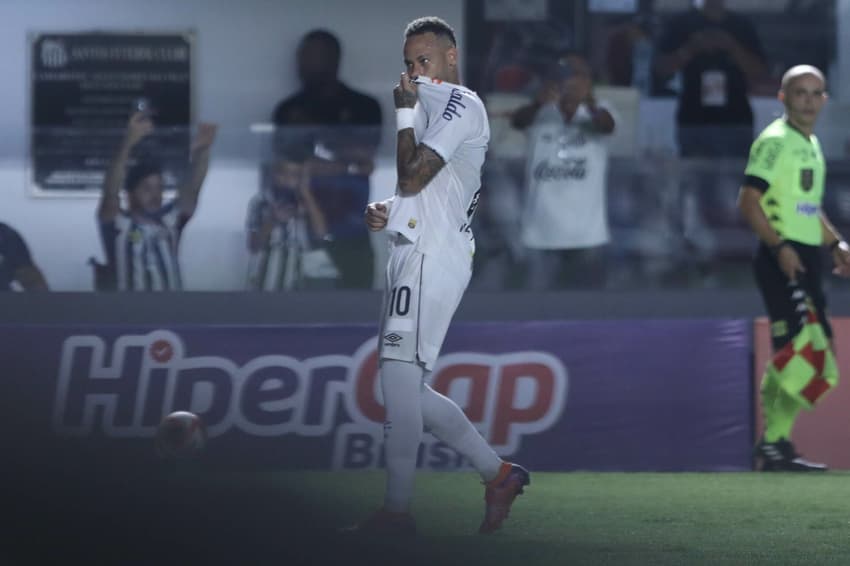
x: 566, y: 176
x: 451, y: 120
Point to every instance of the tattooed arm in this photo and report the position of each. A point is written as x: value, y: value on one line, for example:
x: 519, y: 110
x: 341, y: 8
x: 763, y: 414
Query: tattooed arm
x: 416, y: 164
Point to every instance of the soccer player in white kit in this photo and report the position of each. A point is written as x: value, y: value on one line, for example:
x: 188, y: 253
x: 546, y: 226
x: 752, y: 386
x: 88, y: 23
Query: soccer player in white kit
x: 442, y: 139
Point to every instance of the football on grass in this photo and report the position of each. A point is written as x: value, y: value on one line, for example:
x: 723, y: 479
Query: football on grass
x: 181, y: 435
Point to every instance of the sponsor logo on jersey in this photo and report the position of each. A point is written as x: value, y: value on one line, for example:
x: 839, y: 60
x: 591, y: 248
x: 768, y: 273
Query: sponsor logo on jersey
x: 452, y: 109
x: 392, y: 340
x: 573, y: 168
x: 807, y: 209
x: 578, y: 139
x: 470, y: 211
x: 807, y: 179
x: 767, y: 152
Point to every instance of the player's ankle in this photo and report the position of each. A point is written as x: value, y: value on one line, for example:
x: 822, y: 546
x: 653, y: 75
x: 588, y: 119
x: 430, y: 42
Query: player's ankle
x: 500, y: 475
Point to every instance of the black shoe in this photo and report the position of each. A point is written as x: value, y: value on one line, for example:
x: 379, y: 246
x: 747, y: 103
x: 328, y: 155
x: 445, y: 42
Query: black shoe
x: 780, y: 456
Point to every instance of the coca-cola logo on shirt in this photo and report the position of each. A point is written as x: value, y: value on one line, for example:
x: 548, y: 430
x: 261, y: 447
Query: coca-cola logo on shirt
x: 571, y: 168
x: 578, y: 139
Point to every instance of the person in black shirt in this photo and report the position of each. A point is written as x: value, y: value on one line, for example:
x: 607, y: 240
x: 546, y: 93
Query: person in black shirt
x: 342, y: 129
x: 16, y: 264
x: 720, y: 57
x: 323, y: 98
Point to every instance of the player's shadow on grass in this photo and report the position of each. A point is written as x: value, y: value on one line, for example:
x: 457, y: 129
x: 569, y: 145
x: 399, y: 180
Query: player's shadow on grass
x: 71, y: 503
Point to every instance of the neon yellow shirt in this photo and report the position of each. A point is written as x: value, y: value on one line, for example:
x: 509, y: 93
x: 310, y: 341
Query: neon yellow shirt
x: 794, y: 169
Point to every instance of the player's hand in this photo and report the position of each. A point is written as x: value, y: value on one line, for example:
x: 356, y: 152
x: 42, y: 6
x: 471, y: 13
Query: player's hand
x: 404, y: 93
x: 841, y: 260
x: 377, y: 216
x: 789, y: 263
x: 139, y: 126
x: 205, y: 136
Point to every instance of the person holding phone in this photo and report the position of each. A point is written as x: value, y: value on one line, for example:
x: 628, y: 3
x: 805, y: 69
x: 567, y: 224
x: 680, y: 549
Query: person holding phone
x: 720, y: 58
x: 287, y: 230
x: 564, y: 223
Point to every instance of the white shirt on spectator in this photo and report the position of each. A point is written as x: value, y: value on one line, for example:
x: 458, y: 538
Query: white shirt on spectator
x: 566, y: 174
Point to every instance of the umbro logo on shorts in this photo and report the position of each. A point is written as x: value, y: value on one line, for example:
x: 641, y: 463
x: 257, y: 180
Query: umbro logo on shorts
x: 392, y: 339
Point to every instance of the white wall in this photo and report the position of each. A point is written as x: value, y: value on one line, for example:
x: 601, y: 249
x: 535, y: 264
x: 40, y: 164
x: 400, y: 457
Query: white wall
x: 840, y: 72
x: 244, y: 64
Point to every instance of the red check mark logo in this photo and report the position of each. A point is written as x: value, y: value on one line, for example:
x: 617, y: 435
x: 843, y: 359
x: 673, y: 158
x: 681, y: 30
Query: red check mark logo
x: 161, y: 351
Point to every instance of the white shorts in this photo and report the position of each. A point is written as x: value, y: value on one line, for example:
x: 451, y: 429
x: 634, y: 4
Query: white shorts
x: 421, y: 297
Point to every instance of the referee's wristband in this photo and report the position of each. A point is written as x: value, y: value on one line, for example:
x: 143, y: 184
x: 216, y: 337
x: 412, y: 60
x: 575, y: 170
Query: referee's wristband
x: 404, y: 118
x: 776, y: 248
x: 835, y: 244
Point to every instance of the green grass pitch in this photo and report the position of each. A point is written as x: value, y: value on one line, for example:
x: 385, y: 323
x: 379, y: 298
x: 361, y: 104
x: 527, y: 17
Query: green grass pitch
x: 600, y: 518
x: 196, y: 515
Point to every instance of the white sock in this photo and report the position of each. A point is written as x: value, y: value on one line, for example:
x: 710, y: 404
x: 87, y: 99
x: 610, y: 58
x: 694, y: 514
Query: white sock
x: 445, y: 420
x: 401, y: 383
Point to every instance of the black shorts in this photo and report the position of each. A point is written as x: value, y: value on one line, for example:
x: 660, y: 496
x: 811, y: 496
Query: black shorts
x: 783, y: 306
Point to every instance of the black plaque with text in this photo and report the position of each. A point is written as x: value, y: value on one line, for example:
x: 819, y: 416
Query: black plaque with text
x: 84, y: 87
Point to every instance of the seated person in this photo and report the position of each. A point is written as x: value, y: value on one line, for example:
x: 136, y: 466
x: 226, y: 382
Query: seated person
x: 16, y: 264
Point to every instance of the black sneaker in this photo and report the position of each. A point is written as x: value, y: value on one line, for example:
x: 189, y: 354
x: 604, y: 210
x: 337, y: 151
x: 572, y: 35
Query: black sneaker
x: 780, y: 456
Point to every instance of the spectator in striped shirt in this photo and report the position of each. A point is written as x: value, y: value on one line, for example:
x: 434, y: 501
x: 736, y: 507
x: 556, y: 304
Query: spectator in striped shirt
x: 287, y: 230
x: 141, y: 242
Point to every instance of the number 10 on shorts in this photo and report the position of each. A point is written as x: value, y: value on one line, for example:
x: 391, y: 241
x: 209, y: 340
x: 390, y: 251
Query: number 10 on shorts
x: 399, y: 301
x: 399, y: 336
